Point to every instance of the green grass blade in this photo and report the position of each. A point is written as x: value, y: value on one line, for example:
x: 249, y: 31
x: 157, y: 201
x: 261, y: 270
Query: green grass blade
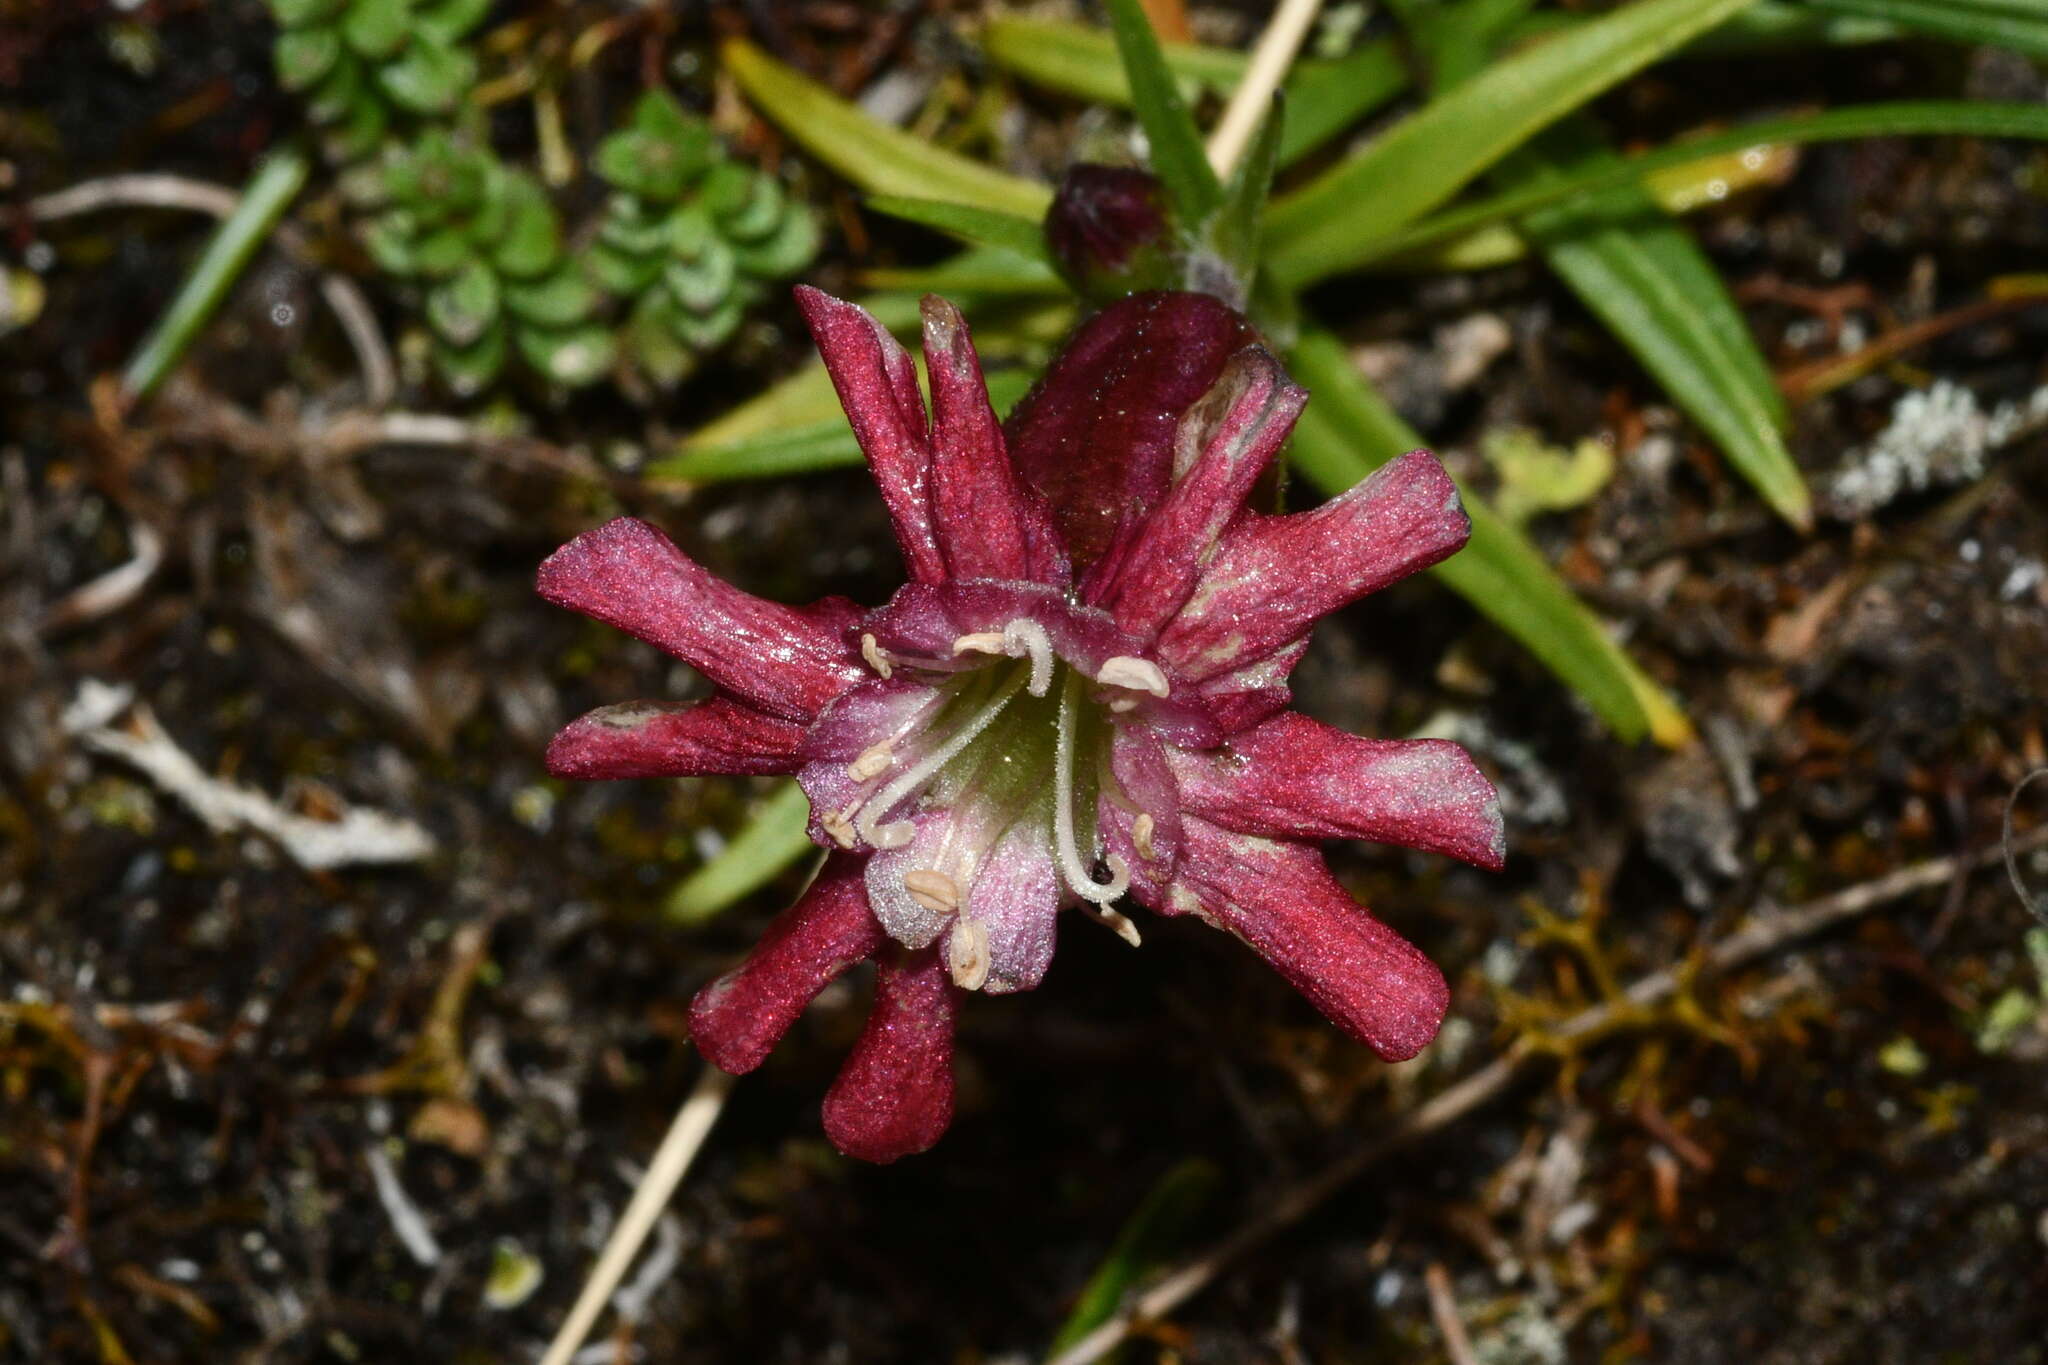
x: 1324, y: 97
x: 276, y: 183
x: 1176, y: 144
x: 978, y: 227
x: 1647, y: 279
x: 1910, y: 118
x: 1426, y: 158
x: 2017, y: 25
x: 1234, y: 232
x: 770, y: 841
x: 1012, y: 277
x: 871, y: 154
x: 1153, y: 1234
x: 1348, y: 431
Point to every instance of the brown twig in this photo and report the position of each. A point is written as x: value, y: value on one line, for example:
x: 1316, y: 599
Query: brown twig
x: 1815, y: 378
x: 1291, y: 1204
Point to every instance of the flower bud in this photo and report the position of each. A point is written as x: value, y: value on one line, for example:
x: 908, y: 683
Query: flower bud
x: 1111, y: 232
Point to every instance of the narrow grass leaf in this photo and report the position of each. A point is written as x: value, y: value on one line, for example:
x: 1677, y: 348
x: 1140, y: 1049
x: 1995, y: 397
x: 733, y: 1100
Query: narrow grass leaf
x: 773, y: 838
x: 869, y: 153
x: 276, y: 183
x: 1910, y: 118
x: 1023, y: 237
x: 1176, y: 143
x: 1153, y: 1235
x: 1428, y: 157
x: 1324, y: 96
x: 1348, y: 431
x: 2017, y: 25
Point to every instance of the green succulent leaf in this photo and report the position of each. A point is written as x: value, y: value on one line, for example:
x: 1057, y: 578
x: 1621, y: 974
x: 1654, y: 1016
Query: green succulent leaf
x: 702, y: 274
x: 447, y: 21
x: 344, y: 90
x: 616, y: 272
x: 634, y: 227
x: 462, y: 308
x: 792, y: 246
x: 469, y: 370
x: 711, y: 329
x: 301, y: 13
x: 558, y: 300
x: 575, y: 356
x: 654, y: 341
x: 430, y: 77
x: 360, y: 133
x: 533, y: 235
x: 305, y: 57
x: 390, y: 240
x: 377, y: 28
x: 746, y: 204
x: 441, y: 251
x: 639, y: 164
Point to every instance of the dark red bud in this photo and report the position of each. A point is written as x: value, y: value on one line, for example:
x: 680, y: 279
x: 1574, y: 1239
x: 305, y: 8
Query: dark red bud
x: 1111, y: 233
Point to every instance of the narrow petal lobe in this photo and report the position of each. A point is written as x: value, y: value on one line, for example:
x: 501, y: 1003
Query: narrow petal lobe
x: 1296, y: 778
x: 877, y: 385
x: 1273, y: 577
x: 788, y: 661
x: 663, y: 739
x: 894, y: 1096
x: 736, y: 1020
x: 988, y: 524
x: 1281, y: 900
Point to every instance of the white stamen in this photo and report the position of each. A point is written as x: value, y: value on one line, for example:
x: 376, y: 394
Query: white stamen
x: 1141, y: 836
x: 872, y: 762
x: 982, y: 642
x: 1116, y: 921
x: 839, y: 826
x: 878, y: 658
x: 935, y: 891
x: 1023, y: 638
x: 1140, y: 675
x: 967, y: 954
x: 1083, y: 885
x: 899, y: 833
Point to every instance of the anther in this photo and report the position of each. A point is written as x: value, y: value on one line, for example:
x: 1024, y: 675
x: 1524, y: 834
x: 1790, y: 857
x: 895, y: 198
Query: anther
x: 1140, y: 675
x: 878, y: 658
x: 982, y: 642
x: 1116, y: 921
x: 838, y: 825
x: 872, y: 762
x: 967, y: 954
x: 935, y: 891
x: 1141, y: 836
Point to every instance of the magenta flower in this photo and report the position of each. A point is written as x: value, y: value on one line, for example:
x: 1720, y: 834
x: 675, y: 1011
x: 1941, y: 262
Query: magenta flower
x: 1080, y: 696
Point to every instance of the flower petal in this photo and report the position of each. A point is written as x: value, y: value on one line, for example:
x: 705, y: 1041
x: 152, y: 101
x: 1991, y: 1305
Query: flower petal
x: 663, y: 739
x: 1281, y: 900
x: 1243, y: 697
x: 1015, y: 901
x: 1096, y: 436
x: 1296, y: 778
x: 877, y: 385
x: 788, y: 661
x: 739, y: 1018
x: 1224, y: 443
x: 894, y: 1096
x: 988, y: 524
x: 1273, y: 577
x: 1139, y: 819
